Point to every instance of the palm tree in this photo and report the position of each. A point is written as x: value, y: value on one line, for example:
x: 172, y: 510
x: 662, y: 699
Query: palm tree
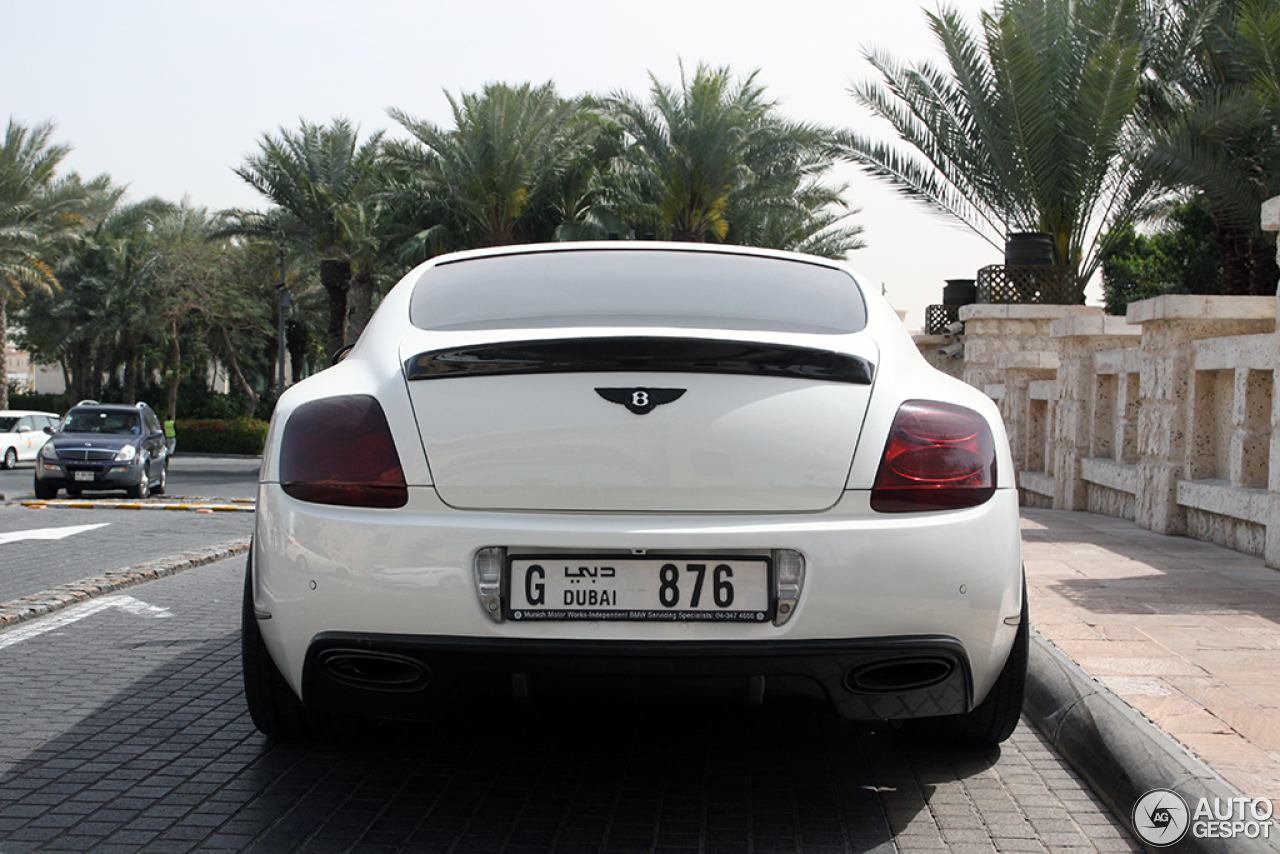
x: 102, y: 309
x: 315, y: 178
x: 1208, y: 127
x: 787, y: 206
x: 491, y: 177
x: 712, y: 160
x: 1024, y: 130
x: 36, y: 208
x: 1260, y: 40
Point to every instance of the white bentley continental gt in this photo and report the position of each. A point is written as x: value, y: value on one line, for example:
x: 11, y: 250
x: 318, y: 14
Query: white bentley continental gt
x: 666, y: 468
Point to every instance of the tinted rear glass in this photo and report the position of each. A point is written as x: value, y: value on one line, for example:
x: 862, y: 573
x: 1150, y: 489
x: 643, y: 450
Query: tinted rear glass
x: 704, y: 290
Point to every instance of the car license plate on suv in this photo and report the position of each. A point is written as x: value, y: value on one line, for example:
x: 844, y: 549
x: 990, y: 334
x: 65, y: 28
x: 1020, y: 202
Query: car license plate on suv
x: 613, y: 587
x: 83, y: 475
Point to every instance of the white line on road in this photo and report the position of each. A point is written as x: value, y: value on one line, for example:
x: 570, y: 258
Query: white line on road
x: 79, y: 612
x: 48, y: 533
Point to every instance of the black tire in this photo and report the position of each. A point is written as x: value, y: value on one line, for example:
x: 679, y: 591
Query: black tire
x: 143, y: 488
x: 45, y: 492
x: 995, y: 718
x: 159, y: 488
x: 11, y: 458
x: 276, y: 710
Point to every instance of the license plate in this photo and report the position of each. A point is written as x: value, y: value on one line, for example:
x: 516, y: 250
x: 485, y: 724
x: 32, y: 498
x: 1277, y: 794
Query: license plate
x: 612, y: 587
x: 84, y: 475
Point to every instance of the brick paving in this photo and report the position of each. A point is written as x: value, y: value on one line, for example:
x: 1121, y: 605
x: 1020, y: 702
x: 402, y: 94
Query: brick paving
x: 1184, y: 631
x: 125, y: 731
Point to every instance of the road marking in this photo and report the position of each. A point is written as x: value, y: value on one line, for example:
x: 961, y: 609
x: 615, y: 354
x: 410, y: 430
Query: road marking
x: 133, y: 505
x: 48, y: 533
x: 79, y: 612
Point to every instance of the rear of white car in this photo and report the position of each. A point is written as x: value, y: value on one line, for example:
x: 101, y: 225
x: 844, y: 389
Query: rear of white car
x: 670, y: 466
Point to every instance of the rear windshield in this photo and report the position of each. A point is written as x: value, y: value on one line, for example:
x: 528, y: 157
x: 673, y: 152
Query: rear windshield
x: 700, y: 290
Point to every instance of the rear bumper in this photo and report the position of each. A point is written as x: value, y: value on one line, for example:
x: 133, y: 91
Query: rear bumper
x: 406, y: 577
x: 418, y: 678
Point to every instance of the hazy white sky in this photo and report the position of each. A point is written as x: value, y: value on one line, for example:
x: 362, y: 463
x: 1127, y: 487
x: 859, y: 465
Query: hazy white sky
x: 168, y: 97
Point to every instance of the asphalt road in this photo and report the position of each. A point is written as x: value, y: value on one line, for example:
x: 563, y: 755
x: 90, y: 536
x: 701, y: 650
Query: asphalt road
x: 214, y: 477
x: 35, y: 554
x: 123, y: 728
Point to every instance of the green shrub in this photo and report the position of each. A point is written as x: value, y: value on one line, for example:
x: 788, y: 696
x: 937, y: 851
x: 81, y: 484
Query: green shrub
x: 237, y: 436
x: 58, y: 403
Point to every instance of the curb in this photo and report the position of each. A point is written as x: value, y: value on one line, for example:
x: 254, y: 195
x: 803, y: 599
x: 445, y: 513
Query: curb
x: 1120, y: 754
x: 56, y: 598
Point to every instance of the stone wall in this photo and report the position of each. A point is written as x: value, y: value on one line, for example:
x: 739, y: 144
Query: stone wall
x: 1169, y: 416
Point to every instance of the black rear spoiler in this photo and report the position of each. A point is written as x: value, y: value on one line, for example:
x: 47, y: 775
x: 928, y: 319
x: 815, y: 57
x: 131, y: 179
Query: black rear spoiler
x: 638, y: 353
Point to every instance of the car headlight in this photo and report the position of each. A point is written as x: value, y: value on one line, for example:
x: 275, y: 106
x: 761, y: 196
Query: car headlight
x: 126, y: 453
x: 48, y: 452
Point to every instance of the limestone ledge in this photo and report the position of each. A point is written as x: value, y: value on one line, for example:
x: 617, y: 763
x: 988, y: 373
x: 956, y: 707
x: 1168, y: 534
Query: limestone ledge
x: 1111, y: 474
x: 1043, y: 390
x: 1221, y: 498
x: 1018, y: 311
x: 1037, y: 482
x: 1255, y: 352
x: 1028, y: 360
x: 1182, y: 307
x: 1093, y: 325
x: 1126, y: 361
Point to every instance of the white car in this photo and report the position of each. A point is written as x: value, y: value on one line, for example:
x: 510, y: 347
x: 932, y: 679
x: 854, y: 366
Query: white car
x: 664, y: 465
x: 22, y: 435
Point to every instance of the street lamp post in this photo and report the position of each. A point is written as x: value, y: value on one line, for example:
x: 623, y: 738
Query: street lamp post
x: 284, y: 306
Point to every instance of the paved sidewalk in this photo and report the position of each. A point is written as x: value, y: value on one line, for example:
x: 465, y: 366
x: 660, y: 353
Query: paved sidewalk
x: 1184, y: 631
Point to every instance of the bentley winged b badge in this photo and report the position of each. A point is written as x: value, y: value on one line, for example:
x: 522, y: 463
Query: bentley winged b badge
x: 641, y: 401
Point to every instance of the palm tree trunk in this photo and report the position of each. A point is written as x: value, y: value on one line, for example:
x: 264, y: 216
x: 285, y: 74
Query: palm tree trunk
x: 129, y: 346
x: 361, y: 304
x: 296, y: 340
x: 1266, y: 273
x: 175, y: 369
x: 1242, y: 268
x: 502, y: 236
x: 335, y: 276
x: 4, y: 351
x: 81, y: 371
x: 95, y: 375
x: 235, y: 368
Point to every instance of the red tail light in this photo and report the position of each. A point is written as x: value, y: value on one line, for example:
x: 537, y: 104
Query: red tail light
x: 340, y: 451
x: 939, y: 457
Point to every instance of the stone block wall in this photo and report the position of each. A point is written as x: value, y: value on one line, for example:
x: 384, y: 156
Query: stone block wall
x: 1169, y: 416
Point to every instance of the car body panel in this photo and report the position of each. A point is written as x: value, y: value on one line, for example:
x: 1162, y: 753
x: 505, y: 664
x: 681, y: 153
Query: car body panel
x: 26, y: 436
x: 541, y: 462
x: 552, y: 442
x: 409, y: 571
x: 86, y: 459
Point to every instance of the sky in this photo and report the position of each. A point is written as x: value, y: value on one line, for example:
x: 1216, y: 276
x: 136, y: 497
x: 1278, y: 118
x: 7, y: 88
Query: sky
x: 167, y: 98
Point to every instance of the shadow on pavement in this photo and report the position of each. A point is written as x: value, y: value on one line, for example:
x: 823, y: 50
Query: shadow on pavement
x: 174, y: 764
